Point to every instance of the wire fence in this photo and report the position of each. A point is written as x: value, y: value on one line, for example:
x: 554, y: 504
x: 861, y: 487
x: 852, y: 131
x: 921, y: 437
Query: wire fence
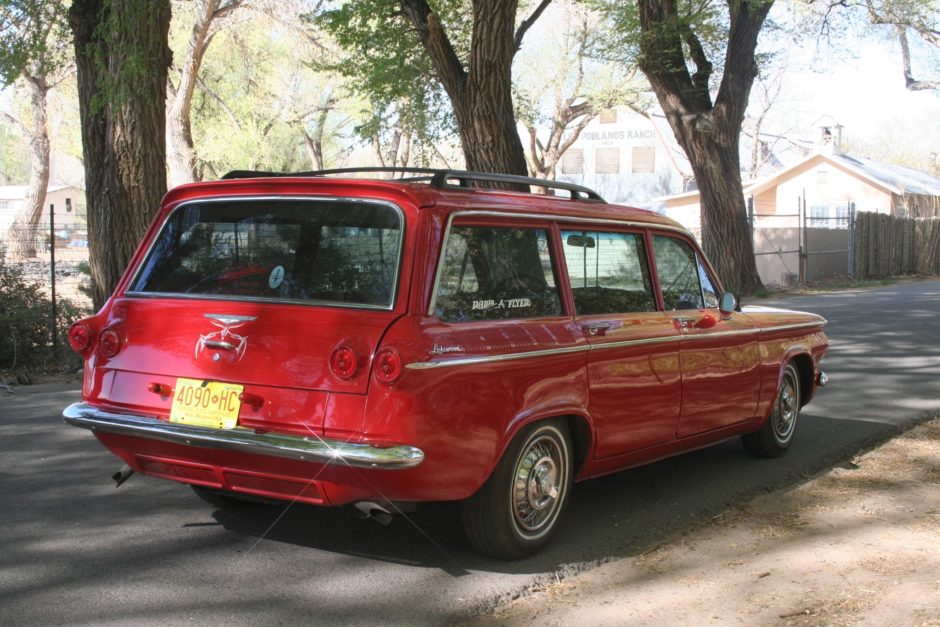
x: 43, y: 286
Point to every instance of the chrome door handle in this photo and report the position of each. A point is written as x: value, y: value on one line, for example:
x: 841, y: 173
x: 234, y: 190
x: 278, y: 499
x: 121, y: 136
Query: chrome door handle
x: 595, y: 330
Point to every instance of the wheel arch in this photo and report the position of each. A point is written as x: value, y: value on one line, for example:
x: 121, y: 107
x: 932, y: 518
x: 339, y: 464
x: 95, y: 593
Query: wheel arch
x: 806, y: 369
x: 580, y: 431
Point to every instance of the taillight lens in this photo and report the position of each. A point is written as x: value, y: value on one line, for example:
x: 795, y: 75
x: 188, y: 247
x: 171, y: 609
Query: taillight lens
x: 388, y: 366
x: 344, y: 363
x: 79, y: 336
x: 109, y: 343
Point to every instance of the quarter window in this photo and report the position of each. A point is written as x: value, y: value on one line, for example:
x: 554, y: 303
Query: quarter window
x: 608, y: 272
x: 491, y: 273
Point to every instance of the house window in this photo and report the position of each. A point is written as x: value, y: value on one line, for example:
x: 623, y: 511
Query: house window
x: 609, y: 116
x: 4, y: 205
x: 644, y: 159
x: 842, y: 216
x: 607, y: 160
x: 819, y: 215
x: 822, y: 177
x: 572, y: 162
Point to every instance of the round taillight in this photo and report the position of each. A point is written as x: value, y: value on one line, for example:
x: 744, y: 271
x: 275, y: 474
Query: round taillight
x: 109, y: 343
x: 388, y: 365
x: 344, y: 363
x: 79, y: 336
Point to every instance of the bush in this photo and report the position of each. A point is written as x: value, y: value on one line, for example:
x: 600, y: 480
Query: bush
x: 25, y: 334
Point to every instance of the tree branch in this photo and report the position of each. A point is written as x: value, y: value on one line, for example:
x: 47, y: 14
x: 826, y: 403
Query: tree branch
x: 909, y: 81
x: 449, y: 69
x: 20, y: 127
x: 228, y: 111
x: 527, y: 23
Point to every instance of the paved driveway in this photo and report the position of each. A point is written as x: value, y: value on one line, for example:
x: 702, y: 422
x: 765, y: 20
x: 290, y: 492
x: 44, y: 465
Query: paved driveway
x: 73, y: 549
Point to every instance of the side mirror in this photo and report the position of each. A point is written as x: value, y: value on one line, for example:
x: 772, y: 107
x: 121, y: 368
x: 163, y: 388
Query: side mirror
x: 727, y: 304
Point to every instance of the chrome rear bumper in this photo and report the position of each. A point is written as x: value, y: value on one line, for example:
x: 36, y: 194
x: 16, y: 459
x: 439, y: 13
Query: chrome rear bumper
x: 313, y: 449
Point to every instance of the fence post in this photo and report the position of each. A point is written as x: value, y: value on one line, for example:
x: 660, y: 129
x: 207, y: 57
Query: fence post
x: 801, y: 233
x: 53, y: 326
x: 750, y: 216
x: 851, y: 240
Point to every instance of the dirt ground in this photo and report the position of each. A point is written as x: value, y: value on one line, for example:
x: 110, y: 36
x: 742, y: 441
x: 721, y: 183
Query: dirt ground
x: 859, y: 545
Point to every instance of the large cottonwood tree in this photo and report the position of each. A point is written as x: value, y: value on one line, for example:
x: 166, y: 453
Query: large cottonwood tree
x: 122, y: 56
x: 469, y: 48
x: 676, y: 45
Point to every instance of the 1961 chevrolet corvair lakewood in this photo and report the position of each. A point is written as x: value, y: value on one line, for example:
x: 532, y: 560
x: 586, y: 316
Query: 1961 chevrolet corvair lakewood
x: 385, y: 342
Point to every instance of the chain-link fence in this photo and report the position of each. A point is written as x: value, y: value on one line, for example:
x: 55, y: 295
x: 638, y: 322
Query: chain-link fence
x: 43, y: 285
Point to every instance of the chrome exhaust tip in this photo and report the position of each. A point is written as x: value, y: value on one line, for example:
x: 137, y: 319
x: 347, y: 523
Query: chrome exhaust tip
x: 373, y: 511
x: 822, y: 379
x: 122, y: 475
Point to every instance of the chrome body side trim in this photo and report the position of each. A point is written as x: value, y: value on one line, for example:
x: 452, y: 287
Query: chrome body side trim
x: 314, y: 449
x: 254, y: 299
x: 488, y: 359
x: 799, y: 325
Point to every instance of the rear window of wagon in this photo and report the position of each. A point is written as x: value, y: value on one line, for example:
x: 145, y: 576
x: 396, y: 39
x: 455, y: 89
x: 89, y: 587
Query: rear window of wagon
x: 340, y: 252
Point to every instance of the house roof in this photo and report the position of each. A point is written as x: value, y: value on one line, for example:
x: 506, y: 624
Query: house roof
x: 898, y: 179
x: 892, y: 178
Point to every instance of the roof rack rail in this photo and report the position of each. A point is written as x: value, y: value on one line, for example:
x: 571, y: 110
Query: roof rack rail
x: 437, y: 178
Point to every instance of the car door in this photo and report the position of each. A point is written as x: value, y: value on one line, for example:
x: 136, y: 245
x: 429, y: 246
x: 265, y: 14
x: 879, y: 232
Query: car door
x: 719, y: 355
x: 633, y: 364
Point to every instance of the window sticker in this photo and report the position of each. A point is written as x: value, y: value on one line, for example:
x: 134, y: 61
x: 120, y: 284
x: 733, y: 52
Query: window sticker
x: 276, y: 277
x: 503, y: 303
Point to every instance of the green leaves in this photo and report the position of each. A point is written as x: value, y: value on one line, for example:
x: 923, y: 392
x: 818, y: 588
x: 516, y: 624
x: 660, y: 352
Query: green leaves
x: 33, y: 38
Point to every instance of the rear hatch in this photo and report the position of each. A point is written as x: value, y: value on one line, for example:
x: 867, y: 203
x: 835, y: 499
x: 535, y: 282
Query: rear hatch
x: 262, y: 293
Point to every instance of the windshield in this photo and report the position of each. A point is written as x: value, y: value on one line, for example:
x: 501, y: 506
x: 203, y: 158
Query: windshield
x: 329, y: 251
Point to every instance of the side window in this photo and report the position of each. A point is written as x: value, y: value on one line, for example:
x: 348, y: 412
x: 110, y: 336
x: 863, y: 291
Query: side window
x: 678, y: 270
x: 608, y: 272
x: 492, y: 273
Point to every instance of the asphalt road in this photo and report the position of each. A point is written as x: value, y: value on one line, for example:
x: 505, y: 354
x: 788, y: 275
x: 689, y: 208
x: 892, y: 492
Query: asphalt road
x: 75, y: 550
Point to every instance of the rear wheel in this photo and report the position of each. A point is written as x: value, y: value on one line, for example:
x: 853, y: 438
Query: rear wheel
x: 775, y: 435
x: 517, y: 510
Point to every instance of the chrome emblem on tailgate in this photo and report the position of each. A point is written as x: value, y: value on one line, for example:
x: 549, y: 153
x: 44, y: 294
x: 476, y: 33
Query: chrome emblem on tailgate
x: 224, y: 339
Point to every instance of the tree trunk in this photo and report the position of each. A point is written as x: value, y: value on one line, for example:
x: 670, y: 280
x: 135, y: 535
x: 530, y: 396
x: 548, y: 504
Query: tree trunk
x: 481, y: 95
x: 709, y: 133
x: 122, y: 59
x: 181, y: 155
x: 22, y: 236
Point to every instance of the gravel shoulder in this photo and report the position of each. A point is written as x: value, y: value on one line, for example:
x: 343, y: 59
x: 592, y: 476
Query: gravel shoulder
x: 859, y: 545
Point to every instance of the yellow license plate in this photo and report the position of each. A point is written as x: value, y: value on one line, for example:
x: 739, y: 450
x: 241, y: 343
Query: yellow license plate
x: 206, y: 403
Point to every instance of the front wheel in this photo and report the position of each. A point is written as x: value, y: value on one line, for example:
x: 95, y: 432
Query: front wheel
x: 775, y: 435
x: 517, y: 510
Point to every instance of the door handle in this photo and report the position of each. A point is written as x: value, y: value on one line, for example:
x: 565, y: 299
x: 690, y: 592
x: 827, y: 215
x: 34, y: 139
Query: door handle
x: 595, y: 330
x: 705, y: 322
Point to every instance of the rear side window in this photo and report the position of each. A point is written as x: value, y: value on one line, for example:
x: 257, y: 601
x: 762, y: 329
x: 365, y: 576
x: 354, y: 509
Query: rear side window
x: 491, y: 273
x: 298, y: 250
x: 608, y: 272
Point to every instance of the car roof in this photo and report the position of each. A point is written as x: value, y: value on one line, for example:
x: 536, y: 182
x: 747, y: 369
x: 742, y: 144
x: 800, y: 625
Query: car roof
x: 448, y: 191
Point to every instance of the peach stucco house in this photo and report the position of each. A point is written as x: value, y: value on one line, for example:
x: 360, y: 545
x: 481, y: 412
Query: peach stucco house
x: 823, y: 188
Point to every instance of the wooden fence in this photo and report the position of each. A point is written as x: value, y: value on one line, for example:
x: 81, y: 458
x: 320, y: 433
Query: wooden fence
x: 889, y: 246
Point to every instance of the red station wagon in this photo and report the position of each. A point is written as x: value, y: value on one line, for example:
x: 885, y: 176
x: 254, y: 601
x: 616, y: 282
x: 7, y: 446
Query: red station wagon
x: 382, y: 343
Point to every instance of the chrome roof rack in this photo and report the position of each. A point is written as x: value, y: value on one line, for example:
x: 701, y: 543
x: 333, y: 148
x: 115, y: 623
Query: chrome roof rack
x: 437, y: 178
